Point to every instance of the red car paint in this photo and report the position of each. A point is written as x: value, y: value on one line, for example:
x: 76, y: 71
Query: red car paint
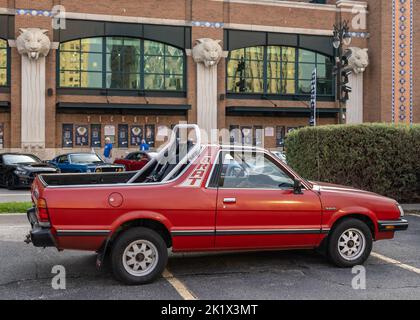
x: 134, y: 161
x: 198, y: 218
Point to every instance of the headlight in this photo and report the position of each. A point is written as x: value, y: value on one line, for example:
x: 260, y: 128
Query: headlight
x: 401, y: 210
x: 21, y: 172
x: 88, y: 170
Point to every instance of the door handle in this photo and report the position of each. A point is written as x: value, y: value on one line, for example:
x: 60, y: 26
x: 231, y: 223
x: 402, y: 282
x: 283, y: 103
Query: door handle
x: 229, y: 200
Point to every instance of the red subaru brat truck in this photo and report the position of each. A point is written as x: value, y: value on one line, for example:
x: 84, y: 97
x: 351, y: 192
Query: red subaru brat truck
x: 195, y: 197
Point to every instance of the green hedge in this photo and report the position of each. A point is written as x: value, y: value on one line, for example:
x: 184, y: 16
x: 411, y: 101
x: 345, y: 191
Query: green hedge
x: 377, y: 157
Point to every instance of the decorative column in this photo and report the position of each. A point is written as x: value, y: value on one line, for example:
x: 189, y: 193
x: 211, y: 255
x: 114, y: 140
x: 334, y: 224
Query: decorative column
x: 358, y: 62
x: 207, y: 54
x: 34, y: 45
x: 402, y: 61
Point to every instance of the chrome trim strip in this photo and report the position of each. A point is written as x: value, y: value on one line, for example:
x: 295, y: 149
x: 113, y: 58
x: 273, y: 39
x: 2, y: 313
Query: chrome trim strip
x: 183, y: 233
x: 247, y: 232
x: 82, y: 233
x: 266, y: 232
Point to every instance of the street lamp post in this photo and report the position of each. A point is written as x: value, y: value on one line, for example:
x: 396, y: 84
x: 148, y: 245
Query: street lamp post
x: 342, y: 38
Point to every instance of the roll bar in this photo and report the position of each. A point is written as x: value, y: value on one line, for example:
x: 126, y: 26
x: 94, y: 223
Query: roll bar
x: 173, y: 140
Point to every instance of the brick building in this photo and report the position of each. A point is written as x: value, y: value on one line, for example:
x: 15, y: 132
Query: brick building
x: 125, y: 69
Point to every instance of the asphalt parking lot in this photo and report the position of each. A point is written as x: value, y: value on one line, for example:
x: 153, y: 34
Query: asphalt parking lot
x: 392, y: 272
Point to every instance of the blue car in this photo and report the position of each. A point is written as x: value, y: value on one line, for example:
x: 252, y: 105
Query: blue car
x: 84, y: 162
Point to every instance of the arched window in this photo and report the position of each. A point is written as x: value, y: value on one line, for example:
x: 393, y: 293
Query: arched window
x: 277, y: 70
x: 121, y: 63
x: 3, y: 63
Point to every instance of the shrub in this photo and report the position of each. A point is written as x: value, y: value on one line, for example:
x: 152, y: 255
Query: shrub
x: 376, y: 157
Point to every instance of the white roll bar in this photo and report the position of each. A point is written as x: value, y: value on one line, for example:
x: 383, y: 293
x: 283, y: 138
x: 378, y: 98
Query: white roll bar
x: 161, y: 155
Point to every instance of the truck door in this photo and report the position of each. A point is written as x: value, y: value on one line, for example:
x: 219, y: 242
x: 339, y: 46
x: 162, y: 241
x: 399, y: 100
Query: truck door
x: 257, y: 206
x: 194, y: 224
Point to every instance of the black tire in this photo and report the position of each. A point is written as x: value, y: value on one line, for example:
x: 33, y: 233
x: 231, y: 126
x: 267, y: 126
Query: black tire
x: 333, y: 247
x: 10, y: 182
x: 124, y: 241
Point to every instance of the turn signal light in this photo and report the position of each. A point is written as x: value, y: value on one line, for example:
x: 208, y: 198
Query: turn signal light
x: 42, y: 210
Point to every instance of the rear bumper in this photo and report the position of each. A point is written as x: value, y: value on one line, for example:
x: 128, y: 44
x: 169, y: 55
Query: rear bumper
x: 393, y: 225
x: 40, y: 236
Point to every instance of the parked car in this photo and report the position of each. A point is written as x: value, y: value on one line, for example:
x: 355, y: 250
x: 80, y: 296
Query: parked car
x: 19, y: 170
x: 135, y: 160
x: 84, y: 162
x: 195, y: 202
x: 280, y: 155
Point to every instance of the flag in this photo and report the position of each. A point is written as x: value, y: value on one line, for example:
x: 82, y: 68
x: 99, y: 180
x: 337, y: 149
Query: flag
x: 312, y: 120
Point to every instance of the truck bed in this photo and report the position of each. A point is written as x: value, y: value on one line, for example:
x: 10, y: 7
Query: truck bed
x: 85, y: 178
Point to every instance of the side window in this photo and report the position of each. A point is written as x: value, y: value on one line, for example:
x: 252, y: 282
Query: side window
x: 252, y: 170
x: 62, y: 159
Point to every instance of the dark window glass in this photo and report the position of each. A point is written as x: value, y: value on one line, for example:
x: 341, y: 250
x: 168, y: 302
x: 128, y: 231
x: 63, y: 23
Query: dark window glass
x: 121, y: 63
x: 246, y: 70
x: 19, y: 158
x: 278, y: 70
x: 3, y: 63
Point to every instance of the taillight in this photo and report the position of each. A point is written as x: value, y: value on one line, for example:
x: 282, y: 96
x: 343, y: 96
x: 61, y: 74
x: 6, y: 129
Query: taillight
x: 42, y: 210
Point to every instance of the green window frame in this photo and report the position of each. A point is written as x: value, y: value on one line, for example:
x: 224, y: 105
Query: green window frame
x: 4, y: 63
x: 280, y: 70
x: 121, y: 63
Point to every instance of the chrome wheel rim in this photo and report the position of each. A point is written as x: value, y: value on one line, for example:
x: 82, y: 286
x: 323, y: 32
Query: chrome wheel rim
x: 140, y: 258
x: 351, y: 244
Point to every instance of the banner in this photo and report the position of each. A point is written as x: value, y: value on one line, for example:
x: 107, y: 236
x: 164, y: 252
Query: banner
x: 1, y: 135
x: 312, y: 120
x: 109, y: 132
x: 136, y: 135
x: 95, y: 136
x: 280, y: 135
x: 67, y: 136
x: 150, y: 134
x: 82, y: 135
x: 123, y: 135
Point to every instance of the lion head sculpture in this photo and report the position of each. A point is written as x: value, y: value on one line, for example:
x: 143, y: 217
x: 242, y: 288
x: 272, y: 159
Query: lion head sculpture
x: 207, y: 51
x: 33, y: 42
x: 359, y: 59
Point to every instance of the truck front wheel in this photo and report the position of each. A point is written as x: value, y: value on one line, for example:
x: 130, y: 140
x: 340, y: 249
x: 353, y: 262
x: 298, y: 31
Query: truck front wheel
x: 350, y: 243
x: 139, y: 256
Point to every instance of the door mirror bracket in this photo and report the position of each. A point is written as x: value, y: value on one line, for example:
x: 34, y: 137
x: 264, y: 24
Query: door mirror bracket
x: 297, y: 187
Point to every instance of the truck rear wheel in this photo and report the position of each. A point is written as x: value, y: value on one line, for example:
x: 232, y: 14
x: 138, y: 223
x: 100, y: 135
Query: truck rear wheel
x: 350, y: 243
x: 139, y: 256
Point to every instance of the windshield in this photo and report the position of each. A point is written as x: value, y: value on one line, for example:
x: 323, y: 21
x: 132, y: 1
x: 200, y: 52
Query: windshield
x: 85, y: 158
x: 19, y: 158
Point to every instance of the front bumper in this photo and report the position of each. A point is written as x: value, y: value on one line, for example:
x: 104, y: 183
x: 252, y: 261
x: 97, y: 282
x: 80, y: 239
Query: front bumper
x: 23, y: 181
x: 39, y: 236
x: 393, y: 225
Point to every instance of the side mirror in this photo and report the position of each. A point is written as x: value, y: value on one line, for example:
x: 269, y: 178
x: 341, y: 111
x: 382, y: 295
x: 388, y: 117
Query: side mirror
x: 297, y: 187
